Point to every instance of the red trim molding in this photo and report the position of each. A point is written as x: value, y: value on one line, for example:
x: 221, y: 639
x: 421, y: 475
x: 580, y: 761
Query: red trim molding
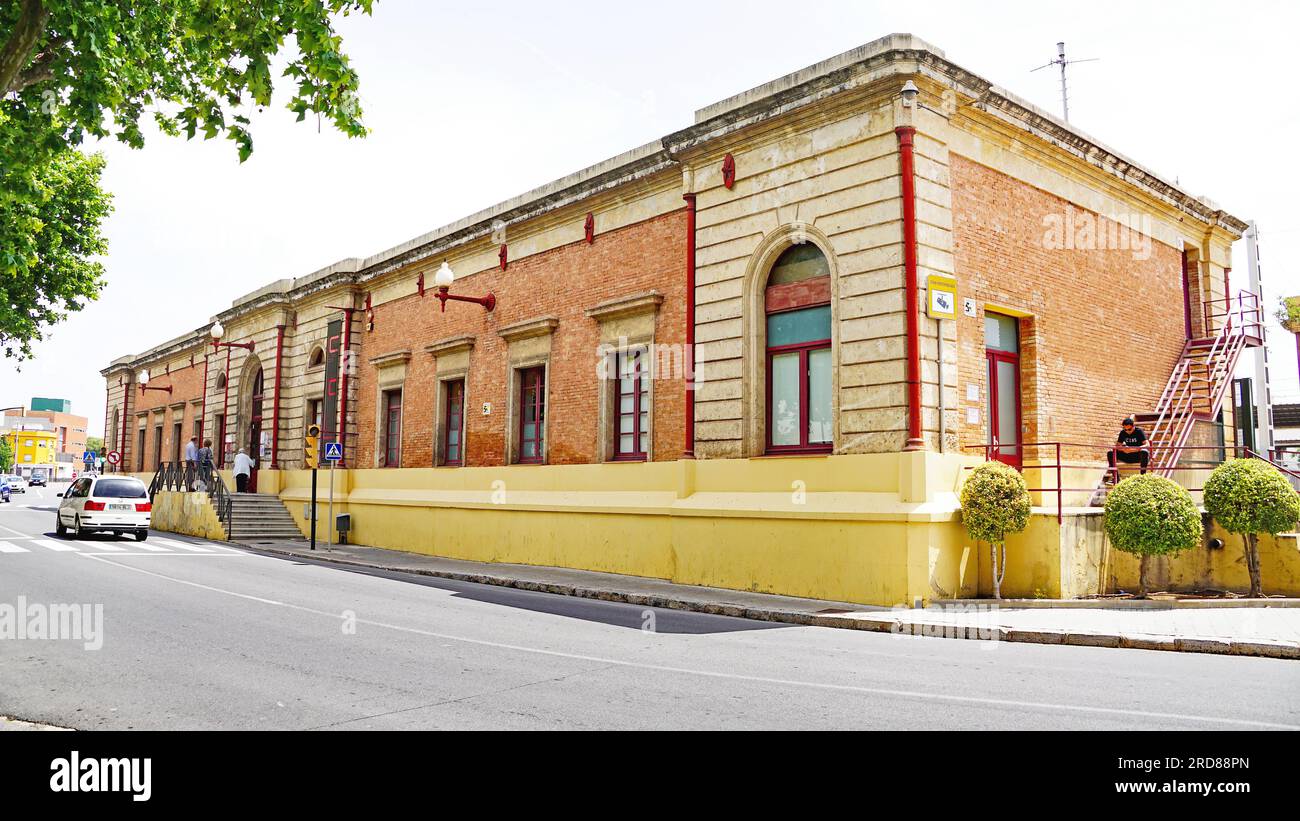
x: 915, y: 440
x: 688, y: 360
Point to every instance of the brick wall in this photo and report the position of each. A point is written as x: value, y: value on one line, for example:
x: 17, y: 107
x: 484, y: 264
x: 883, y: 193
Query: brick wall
x: 187, y: 387
x: 563, y: 283
x: 1105, y: 326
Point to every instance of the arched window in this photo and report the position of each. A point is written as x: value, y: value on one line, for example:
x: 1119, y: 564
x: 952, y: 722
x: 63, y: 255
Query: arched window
x: 221, y: 381
x: 317, y: 357
x: 797, y: 302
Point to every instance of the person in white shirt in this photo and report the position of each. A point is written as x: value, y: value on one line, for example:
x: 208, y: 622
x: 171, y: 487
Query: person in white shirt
x: 243, y: 467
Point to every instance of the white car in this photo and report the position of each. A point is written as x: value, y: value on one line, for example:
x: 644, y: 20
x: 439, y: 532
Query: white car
x: 113, y: 504
x: 17, y: 484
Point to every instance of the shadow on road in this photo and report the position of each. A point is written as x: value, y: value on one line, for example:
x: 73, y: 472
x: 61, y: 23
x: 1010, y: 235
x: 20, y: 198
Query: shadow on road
x: 615, y: 614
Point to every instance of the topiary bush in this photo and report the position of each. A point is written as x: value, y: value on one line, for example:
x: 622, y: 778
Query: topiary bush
x: 1250, y: 496
x: 994, y: 504
x: 1150, y: 515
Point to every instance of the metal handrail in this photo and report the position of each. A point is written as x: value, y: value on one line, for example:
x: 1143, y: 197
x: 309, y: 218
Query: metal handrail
x: 184, y: 476
x: 1059, y: 465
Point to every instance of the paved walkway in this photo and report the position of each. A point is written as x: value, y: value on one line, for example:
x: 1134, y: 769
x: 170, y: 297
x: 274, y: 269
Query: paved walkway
x: 1265, y: 627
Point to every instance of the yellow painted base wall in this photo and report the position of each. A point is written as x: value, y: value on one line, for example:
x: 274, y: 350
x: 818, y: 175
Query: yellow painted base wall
x: 188, y: 513
x: 1074, y: 558
x: 869, y: 528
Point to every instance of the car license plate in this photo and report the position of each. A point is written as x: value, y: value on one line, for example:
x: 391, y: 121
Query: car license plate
x: 121, y: 507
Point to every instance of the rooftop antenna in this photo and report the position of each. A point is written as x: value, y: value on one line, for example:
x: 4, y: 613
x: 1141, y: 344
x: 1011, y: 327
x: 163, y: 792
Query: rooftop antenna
x: 1062, y: 62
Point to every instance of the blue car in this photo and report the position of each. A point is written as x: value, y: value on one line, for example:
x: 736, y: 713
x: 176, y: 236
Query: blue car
x: 4, y: 488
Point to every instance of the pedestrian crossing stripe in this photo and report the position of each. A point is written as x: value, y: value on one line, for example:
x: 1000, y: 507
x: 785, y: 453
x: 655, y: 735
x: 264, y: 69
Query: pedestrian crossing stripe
x: 183, y: 545
x: 6, y: 547
x: 59, y: 546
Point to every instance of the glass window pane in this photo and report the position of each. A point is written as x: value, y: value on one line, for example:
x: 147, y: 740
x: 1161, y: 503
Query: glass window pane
x: 797, y: 263
x: 1008, y: 420
x: 530, y: 450
x: 453, y: 437
x: 645, y: 423
x: 625, y: 443
x: 1001, y: 333
x: 794, y: 327
x: 625, y: 424
x: 625, y: 404
x: 819, y: 396
x: 785, y: 399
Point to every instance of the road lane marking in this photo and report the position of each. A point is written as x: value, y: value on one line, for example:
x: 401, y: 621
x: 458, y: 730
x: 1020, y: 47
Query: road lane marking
x: 151, y: 548
x: 6, y: 547
x: 62, y: 547
x: 183, y: 545
x: 816, y: 685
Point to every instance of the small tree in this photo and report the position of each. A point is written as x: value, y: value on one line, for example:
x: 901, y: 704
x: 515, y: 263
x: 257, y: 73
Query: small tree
x: 1248, y: 496
x: 6, y: 454
x: 1150, y: 515
x: 994, y: 504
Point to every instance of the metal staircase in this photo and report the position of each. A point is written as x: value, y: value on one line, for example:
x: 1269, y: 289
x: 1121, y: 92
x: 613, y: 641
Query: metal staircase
x: 1202, y: 377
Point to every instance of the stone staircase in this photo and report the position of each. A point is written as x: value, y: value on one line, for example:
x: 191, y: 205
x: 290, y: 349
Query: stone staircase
x: 260, y: 516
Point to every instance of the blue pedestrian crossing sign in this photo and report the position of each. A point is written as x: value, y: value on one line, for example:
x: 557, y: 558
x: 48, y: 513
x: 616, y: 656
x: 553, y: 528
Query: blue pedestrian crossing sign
x: 333, y: 451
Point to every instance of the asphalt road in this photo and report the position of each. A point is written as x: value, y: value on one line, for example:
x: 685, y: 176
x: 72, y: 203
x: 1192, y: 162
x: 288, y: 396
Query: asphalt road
x: 226, y: 639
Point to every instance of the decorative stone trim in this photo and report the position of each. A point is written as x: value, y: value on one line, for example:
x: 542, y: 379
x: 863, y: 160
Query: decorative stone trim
x: 450, y: 345
x: 634, y: 305
x: 542, y: 326
x: 392, y: 358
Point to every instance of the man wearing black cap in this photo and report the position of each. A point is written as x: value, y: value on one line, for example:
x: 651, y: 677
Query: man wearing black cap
x: 1131, y: 448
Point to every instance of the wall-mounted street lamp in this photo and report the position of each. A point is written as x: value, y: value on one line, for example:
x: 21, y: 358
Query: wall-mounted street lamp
x: 909, y: 94
x: 217, y: 332
x: 143, y: 379
x: 443, y: 280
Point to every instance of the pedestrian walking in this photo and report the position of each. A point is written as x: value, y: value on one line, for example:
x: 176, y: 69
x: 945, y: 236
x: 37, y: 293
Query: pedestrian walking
x: 243, y: 469
x: 191, y: 461
x: 205, y: 465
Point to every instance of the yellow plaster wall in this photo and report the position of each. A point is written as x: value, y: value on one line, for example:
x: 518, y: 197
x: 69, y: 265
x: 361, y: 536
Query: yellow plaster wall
x: 188, y: 513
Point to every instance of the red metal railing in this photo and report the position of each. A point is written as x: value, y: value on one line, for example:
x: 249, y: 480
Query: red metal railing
x: 1218, y: 453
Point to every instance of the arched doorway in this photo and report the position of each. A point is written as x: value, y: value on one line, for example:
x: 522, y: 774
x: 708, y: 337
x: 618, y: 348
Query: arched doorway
x: 253, y: 425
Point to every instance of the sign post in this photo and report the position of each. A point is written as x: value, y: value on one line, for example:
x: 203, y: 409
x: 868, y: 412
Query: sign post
x: 333, y: 455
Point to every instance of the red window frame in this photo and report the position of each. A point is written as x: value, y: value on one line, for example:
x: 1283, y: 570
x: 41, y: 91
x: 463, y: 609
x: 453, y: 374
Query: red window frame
x: 392, y: 429
x: 637, y: 393
x: 803, y: 349
x: 532, y: 380
x: 455, y: 421
x: 1016, y: 457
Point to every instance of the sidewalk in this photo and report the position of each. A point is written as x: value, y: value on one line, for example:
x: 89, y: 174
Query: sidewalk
x: 1243, y: 627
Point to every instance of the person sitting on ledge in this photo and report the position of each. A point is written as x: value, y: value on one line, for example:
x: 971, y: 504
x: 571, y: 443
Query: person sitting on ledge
x: 1131, y: 448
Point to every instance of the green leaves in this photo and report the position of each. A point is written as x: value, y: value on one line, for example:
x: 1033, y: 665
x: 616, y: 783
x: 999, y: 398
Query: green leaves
x: 1151, y: 515
x: 1251, y: 496
x: 72, y: 68
x: 50, y: 238
x: 994, y: 502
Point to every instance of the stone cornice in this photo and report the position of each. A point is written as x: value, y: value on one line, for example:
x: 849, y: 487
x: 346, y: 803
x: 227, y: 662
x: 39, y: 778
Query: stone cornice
x: 634, y: 305
x: 391, y: 358
x: 451, y: 345
x: 529, y: 328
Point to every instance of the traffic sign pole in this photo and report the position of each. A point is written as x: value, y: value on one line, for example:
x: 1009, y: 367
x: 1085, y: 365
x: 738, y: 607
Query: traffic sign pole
x: 329, y: 531
x: 313, y: 508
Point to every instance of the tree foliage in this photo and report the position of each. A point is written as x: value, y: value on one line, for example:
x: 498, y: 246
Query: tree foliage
x: 1150, y: 515
x: 6, y: 454
x: 994, y: 502
x: 1251, y: 496
x: 106, y: 68
x: 52, y: 238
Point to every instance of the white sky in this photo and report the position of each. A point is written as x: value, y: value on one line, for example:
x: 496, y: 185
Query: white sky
x: 471, y: 105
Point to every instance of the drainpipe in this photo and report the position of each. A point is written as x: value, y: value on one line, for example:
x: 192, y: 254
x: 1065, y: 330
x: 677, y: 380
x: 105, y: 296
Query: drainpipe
x: 689, y: 358
x: 915, y: 441
x: 225, y: 411
x: 343, y: 383
x: 275, y: 410
x: 943, y: 425
x: 83, y: 464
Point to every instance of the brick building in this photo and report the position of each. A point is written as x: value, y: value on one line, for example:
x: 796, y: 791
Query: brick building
x: 782, y: 245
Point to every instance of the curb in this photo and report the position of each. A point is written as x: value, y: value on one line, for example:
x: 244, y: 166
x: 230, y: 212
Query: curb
x: 869, y: 622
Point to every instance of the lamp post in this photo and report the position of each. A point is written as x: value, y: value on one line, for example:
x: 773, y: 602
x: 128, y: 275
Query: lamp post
x: 143, y: 379
x: 444, y: 278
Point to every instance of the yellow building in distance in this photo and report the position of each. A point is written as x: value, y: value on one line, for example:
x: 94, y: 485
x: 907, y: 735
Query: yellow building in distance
x: 32, y: 449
